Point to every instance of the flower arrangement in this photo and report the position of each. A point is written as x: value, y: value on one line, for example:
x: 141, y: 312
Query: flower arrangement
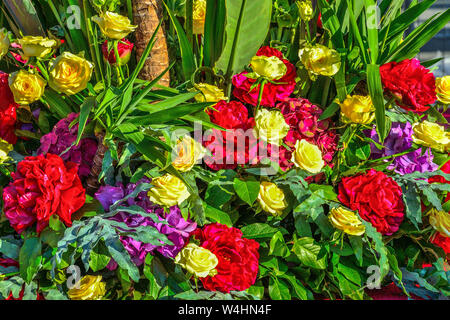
x: 282, y: 157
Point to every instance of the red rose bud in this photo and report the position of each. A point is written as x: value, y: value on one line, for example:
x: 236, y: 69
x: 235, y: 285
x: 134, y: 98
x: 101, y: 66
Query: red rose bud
x: 124, y: 48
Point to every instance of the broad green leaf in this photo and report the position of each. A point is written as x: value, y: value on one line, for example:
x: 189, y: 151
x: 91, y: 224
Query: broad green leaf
x: 247, y: 190
x: 258, y: 231
x: 376, y: 93
x: 30, y: 258
x: 308, y: 252
x: 278, y: 289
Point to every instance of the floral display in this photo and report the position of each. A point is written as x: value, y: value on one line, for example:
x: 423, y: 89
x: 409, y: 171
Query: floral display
x: 223, y: 150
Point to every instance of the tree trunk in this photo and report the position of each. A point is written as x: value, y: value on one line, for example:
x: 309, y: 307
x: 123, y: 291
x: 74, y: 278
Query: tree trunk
x: 147, y: 14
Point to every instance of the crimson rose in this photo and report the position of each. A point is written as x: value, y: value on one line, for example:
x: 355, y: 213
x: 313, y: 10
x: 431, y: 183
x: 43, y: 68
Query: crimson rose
x: 43, y: 186
x: 377, y: 197
x: 7, y: 111
x: 410, y: 82
x: 238, y: 257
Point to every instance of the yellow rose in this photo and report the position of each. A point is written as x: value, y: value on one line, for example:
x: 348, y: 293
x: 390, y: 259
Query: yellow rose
x: 208, y: 93
x: 90, y: 288
x: 443, y: 89
x: 37, y: 46
x: 271, y: 198
x: 113, y: 25
x: 346, y: 221
x: 357, y: 109
x: 199, y: 14
x: 197, y: 260
x: 168, y: 191
x: 440, y: 220
x: 271, y: 68
x: 4, y: 42
x: 307, y: 156
x: 320, y: 60
x: 69, y: 73
x: 5, y: 148
x: 26, y: 87
x: 188, y: 152
x: 305, y: 9
x: 431, y: 135
x: 270, y: 126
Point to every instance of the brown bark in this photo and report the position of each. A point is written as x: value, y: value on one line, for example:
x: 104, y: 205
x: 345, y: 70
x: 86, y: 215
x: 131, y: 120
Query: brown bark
x: 147, y: 14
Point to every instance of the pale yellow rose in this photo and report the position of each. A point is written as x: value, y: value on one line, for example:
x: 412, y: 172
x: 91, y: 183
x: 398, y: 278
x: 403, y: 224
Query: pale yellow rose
x: 271, y: 198
x: 168, y: 191
x: 114, y: 25
x: 37, y: 46
x: 208, y: 93
x: 357, y: 109
x: 187, y: 153
x: 305, y: 10
x: 270, y: 126
x: 320, y: 60
x: 431, y: 135
x: 4, y: 42
x: 346, y: 221
x: 440, y: 220
x: 307, y: 156
x: 197, y: 260
x: 443, y: 89
x: 69, y: 73
x: 271, y: 68
x: 26, y: 87
x: 5, y: 149
x: 198, y: 15
x: 90, y: 288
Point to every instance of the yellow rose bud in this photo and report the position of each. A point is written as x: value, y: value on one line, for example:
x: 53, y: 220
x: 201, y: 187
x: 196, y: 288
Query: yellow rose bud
x: 168, y: 191
x: 37, y: 46
x: 443, y: 89
x: 208, y: 93
x: 305, y: 9
x: 5, y: 148
x: 113, y: 25
x: 26, y: 87
x: 90, y: 288
x: 357, y: 109
x: 307, y: 156
x: 320, y: 60
x: 197, y: 260
x: 271, y: 198
x: 346, y: 221
x: 4, y: 42
x: 69, y: 73
x: 440, y: 220
x: 271, y: 68
x: 431, y: 135
x: 198, y: 15
x: 270, y: 126
x: 188, y: 152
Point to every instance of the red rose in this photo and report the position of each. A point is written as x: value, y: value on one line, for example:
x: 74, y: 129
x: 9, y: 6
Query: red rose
x: 440, y: 179
x: 235, y: 146
x: 43, y: 186
x: 443, y: 242
x: 238, y: 258
x: 7, y: 111
x: 124, y: 49
x: 271, y: 92
x: 390, y: 292
x: 21, y: 293
x: 377, y: 197
x: 411, y: 83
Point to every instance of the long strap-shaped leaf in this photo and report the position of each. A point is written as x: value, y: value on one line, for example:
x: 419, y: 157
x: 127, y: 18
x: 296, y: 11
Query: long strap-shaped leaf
x: 25, y: 16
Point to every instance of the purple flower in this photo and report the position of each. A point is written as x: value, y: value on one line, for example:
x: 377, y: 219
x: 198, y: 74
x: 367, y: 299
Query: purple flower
x: 398, y: 141
x: 177, y: 229
x: 62, y: 137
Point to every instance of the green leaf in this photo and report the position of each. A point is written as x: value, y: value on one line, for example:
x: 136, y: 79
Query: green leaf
x: 380, y: 248
x: 30, y: 258
x: 258, y: 231
x: 9, y: 248
x: 278, y: 246
x: 217, y: 215
x: 376, y: 94
x: 99, y: 257
x: 278, y: 289
x: 85, y: 110
x: 308, y: 252
x: 412, y: 203
x: 247, y: 190
x: 214, y: 31
x: 245, y: 32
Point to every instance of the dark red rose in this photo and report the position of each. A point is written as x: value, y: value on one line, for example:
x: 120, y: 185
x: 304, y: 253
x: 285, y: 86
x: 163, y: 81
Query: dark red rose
x: 230, y: 115
x: 238, y: 258
x: 443, y: 242
x: 39, y: 295
x: 41, y: 187
x: 271, y: 92
x: 411, y: 83
x: 124, y: 49
x: 8, y: 108
x: 377, y: 197
x: 390, y: 292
